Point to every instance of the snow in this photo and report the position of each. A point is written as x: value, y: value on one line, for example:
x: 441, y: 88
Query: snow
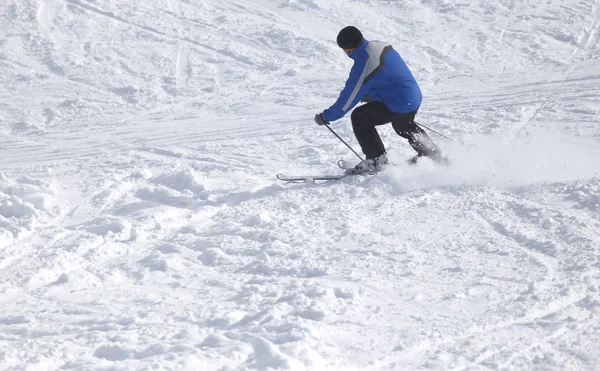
x: 142, y: 226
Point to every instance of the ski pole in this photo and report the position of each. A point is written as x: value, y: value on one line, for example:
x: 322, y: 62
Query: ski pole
x: 437, y: 132
x: 347, y: 145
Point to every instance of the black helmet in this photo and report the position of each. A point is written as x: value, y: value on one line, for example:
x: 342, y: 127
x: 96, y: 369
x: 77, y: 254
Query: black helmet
x: 349, y: 38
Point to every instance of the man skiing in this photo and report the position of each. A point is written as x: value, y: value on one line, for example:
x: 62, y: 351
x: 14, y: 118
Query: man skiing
x: 381, y: 78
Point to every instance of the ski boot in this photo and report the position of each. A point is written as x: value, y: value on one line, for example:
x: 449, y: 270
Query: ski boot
x: 369, y: 166
x: 435, y: 156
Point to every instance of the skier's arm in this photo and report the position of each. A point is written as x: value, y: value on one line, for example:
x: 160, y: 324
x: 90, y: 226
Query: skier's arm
x: 352, y: 93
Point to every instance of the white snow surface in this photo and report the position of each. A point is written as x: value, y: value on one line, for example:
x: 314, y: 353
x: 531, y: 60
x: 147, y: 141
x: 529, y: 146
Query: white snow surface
x: 142, y: 226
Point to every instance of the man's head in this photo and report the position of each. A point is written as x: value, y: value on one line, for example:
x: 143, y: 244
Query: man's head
x: 349, y: 39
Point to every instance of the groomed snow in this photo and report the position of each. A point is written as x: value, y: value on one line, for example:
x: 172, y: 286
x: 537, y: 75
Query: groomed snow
x: 142, y: 226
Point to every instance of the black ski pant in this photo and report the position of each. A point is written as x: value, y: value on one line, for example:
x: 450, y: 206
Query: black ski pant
x: 366, y: 117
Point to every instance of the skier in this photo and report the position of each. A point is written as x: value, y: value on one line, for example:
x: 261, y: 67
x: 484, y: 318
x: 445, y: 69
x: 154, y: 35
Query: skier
x: 381, y: 78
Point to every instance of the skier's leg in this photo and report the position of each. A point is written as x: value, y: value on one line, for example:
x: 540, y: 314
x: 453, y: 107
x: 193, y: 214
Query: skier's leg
x: 364, y: 120
x: 405, y: 126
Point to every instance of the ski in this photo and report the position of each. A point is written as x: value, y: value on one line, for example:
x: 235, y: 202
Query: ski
x: 323, y: 178
x: 310, y: 178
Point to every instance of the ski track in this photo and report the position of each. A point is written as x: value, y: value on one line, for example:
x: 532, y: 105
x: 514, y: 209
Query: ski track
x: 45, y: 17
x: 141, y: 225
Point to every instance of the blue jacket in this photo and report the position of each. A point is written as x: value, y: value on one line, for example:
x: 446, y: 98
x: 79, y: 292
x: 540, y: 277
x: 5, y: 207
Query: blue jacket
x: 381, y: 74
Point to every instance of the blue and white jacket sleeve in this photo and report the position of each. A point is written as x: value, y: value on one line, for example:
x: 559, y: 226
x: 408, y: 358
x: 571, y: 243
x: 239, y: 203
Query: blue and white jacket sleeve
x: 352, y: 93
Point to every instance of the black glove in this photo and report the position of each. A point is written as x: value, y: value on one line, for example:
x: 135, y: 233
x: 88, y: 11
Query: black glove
x: 320, y: 120
x: 366, y: 99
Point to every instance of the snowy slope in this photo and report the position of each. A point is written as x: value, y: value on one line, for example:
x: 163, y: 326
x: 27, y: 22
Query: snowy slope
x: 142, y: 227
